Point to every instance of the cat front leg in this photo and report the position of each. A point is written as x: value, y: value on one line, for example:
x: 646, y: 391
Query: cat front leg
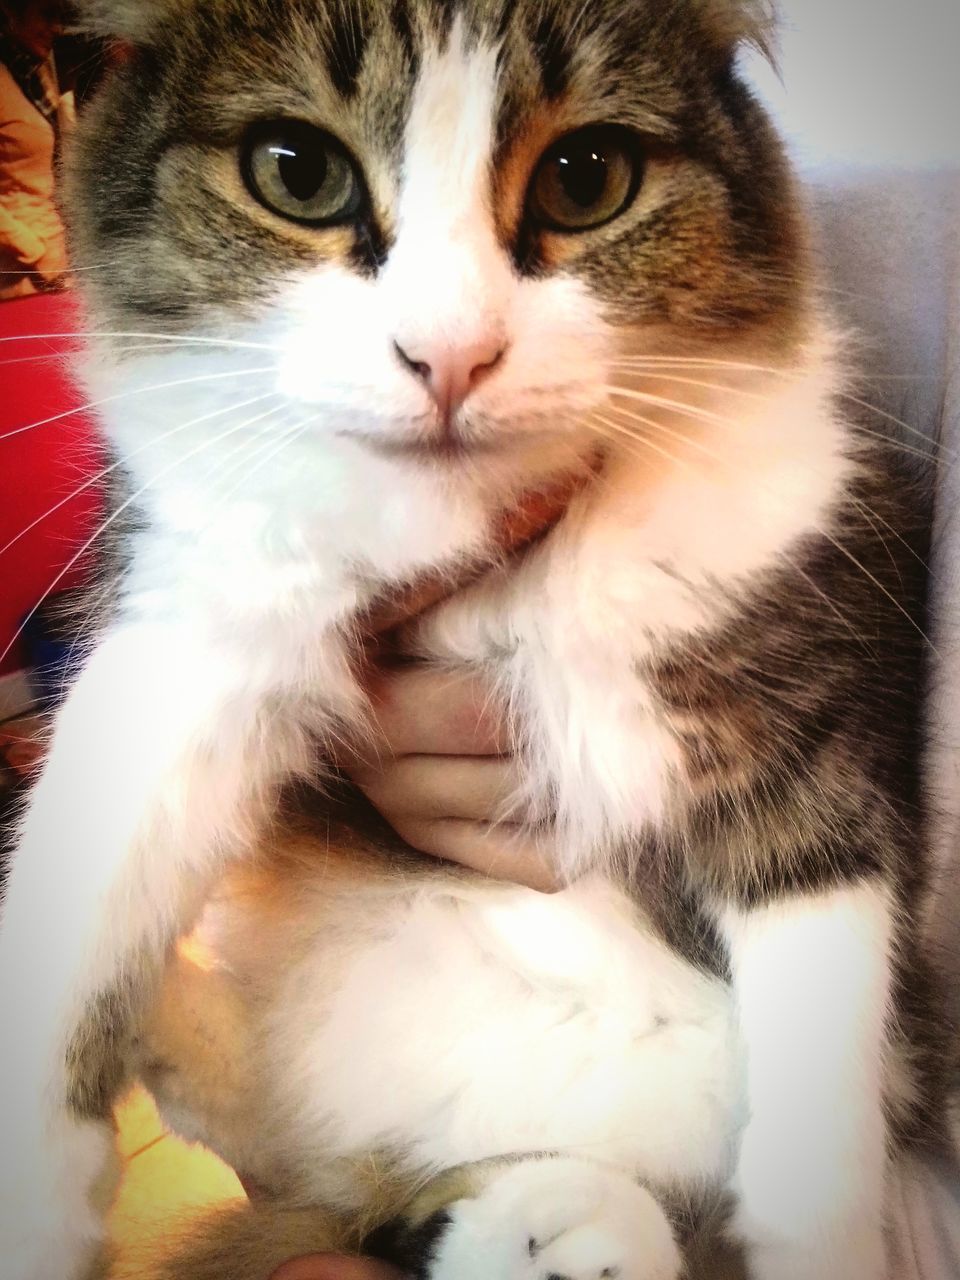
x: 149, y: 780
x: 812, y: 982
x: 539, y: 1218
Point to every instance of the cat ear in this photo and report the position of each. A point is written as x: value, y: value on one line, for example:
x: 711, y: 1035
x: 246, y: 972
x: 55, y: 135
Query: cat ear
x: 743, y: 23
x: 125, y: 20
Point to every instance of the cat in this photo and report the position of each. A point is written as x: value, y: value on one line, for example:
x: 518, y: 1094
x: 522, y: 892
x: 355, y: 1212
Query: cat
x: 363, y: 1036
x: 360, y: 276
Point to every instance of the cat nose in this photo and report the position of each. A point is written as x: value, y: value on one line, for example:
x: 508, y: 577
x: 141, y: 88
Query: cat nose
x: 450, y: 373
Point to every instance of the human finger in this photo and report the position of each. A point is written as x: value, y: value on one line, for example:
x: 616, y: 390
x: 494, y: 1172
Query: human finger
x: 479, y: 788
x: 421, y: 710
x: 502, y: 852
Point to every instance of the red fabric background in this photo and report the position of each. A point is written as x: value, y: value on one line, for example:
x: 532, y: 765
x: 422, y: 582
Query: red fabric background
x: 41, y: 466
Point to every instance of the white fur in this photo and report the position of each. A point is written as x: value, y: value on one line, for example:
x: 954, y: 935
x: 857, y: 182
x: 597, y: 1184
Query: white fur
x: 231, y: 653
x: 813, y: 990
x: 558, y: 1218
x: 488, y: 1020
x: 662, y: 553
x: 443, y: 215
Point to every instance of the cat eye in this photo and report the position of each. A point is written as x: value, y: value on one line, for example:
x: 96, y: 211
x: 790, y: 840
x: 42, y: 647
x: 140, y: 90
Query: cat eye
x: 586, y: 179
x: 302, y: 173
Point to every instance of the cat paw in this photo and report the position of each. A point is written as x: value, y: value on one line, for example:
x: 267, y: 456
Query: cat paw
x: 555, y: 1219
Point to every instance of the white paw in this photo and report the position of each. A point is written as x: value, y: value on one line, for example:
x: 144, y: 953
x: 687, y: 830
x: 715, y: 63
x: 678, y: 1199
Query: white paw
x: 557, y: 1219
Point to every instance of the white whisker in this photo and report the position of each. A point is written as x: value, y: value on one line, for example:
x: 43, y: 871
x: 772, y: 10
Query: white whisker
x: 72, y: 270
x: 872, y: 514
x: 926, y: 455
x: 695, y: 382
x: 844, y: 551
x: 635, y: 438
x: 112, y: 518
x: 66, y: 356
x: 742, y: 366
x: 664, y: 402
x: 244, y: 445
x: 653, y: 362
x: 191, y: 338
x: 831, y: 605
x: 275, y: 445
x: 121, y: 462
x: 123, y: 395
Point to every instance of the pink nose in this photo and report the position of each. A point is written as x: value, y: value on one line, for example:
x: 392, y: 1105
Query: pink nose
x: 451, y: 373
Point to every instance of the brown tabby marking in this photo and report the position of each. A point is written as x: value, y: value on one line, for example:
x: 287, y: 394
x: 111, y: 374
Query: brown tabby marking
x: 98, y: 1055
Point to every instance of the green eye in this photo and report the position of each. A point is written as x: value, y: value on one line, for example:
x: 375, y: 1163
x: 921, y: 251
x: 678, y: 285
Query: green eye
x: 302, y: 173
x: 586, y: 179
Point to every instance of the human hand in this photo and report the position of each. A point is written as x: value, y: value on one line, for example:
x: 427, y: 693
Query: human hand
x: 441, y: 774
x: 441, y: 771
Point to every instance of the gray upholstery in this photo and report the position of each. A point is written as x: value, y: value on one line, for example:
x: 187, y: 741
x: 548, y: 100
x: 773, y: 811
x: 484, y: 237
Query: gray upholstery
x: 870, y: 101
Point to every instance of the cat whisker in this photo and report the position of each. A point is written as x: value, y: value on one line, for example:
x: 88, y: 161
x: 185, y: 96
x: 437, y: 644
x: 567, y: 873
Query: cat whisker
x: 248, y: 446
x: 872, y: 514
x: 868, y: 515
x: 109, y: 588
x: 262, y: 455
x: 72, y: 269
x: 696, y: 412
x: 111, y: 519
x: 652, y: 363
x: 635, y: 437
x: 933, y: 450
x: 695, y: 382
x: 101, y: 475
x: 844, y: 551
x: 744, y: 366
x: 741, y: 366
x: 820, y: 287
x: 66, y: 356
x: 664, y: 402
x: 831, y: 604
x: 77, y: 335
x: 951, y: 454
x: 134, y: 391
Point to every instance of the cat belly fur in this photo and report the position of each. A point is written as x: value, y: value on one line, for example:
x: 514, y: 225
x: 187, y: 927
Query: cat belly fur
x: 429, y: 1026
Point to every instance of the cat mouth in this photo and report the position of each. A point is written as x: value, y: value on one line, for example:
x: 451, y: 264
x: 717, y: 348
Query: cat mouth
x: 454, y: 446
x: 449, y: 448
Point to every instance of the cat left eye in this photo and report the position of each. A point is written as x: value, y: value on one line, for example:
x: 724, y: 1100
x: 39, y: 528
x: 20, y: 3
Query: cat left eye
x: 586, y: 179
x: 302, y: 173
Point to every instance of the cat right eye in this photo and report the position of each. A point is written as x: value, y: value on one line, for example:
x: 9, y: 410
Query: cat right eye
x: 586, y: 179
x: 302, y: 173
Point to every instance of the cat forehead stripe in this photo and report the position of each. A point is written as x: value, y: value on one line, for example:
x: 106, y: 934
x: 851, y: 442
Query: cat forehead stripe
x: 551, y: 46
x: 450, y: 131
x: 349, y: 32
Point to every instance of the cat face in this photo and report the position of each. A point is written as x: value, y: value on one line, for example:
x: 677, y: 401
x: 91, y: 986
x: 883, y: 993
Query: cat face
x: 447, y: 218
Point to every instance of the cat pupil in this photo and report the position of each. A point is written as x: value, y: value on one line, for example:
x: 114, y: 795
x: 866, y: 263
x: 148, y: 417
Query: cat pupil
x: 302, y: 175
x: 583, y: 176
